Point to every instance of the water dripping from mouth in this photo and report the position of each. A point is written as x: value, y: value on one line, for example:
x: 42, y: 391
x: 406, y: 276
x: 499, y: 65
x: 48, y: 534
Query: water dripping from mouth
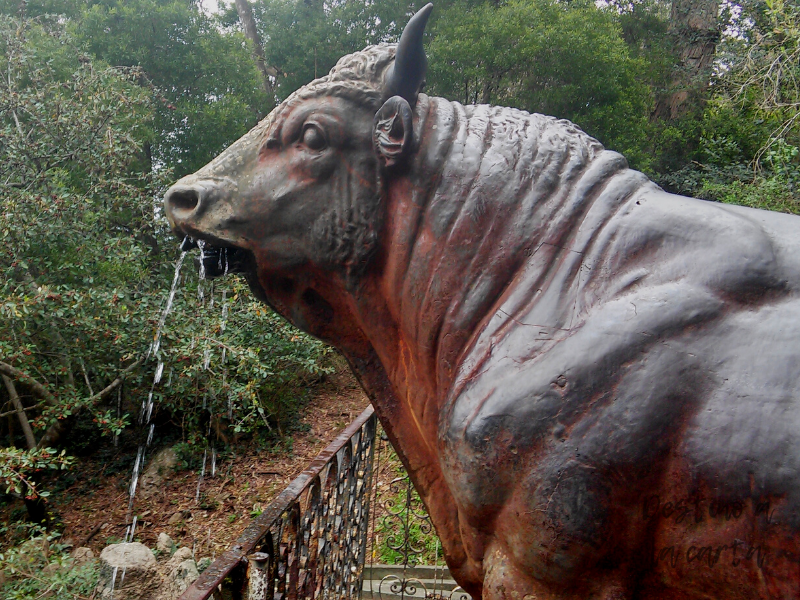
x: 156, y: 345
x: 202, y: 245
x: 200, y: 480
x: 119, y: 412
x: 113, y: 580
x: 224, y: 311
x: 146, y: 412
x: 159, y: 372
x: 137, y: 469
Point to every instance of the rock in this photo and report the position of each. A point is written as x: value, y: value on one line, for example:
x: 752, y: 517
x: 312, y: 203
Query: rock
x: 128, y: 572
x: 82, y: 555
x: 164, y: 544
x: 179, y: 516
x: 145, y: 579
x: 182, y: 577
x: 159, y: 468
x: 179, y: 573
x: 203, y: 564
x: 181, y: 554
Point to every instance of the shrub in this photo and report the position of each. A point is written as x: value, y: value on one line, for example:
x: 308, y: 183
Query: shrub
x: 41, y: 567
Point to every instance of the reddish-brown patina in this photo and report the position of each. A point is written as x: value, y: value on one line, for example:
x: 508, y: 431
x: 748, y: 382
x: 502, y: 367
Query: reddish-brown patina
x: 593, y: 383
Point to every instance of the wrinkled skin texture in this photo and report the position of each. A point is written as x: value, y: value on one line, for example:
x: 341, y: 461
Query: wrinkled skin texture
x: 593, y: 383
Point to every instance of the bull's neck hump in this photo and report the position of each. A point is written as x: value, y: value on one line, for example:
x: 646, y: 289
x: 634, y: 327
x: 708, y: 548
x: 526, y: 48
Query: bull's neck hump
x: 487, y: 186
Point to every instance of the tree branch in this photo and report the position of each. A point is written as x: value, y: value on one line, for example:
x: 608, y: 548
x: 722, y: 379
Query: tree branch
x: 115, y: 384
x: 56, y: 430
x: 245, y: 12
x: 29, y: 382
x: 86, y: 376
x: 23, y: 418
x: 15, y: 411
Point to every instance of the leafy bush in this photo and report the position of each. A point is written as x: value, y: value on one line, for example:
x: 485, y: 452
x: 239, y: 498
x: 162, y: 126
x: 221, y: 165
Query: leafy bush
x: 232, y: 366
x: 84, y: 267
x: 19, y: 467
x: 770, y: 193
x: 41, y: 567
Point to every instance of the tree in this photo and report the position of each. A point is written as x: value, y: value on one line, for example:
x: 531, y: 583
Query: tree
x: 695, y: 28
x: 74, y: 228
x: 563, y: 59
x: 206, y: 88
x: 245, y: 12
x: 303, y: 39
x: 766, y: 74
x: 84, y: 266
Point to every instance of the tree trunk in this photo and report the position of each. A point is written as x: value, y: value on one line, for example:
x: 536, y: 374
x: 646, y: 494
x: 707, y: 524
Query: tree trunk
x: 23, y: 418
x: 695, y: 28
x: 251, y: 33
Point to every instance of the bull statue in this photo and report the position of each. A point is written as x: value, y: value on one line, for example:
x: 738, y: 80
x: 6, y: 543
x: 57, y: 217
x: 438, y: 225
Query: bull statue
x: 594, y: 384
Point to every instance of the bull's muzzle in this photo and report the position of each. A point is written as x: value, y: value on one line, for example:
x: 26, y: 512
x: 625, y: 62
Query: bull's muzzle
x: 182, y: 203
x: 189, y: 207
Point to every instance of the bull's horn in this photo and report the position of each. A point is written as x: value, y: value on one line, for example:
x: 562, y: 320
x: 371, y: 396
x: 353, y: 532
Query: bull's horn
x: 408, y: 71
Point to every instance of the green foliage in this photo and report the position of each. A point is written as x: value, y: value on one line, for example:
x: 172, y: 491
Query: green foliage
x: 769, y: 193
x: 749, y: 134
x: 41, y: 567
x: 18, y: 467
x: 303, y: 40
x: 403, y: 530
x: 765, y: 73
x: 206, y: 89
x: 76, y: 265
x: 233, y: 366
x: 566, y: 60
x: 84, y: 266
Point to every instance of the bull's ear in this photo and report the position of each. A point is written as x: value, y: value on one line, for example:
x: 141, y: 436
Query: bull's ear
x: 392, y: 131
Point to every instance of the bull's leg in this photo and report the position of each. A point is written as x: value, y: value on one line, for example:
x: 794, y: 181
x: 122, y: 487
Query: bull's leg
x: 506, y: 581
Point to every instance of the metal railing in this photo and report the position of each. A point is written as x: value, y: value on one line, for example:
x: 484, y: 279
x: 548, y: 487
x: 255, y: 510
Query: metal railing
x: 310, y: 542
x: 314, y: 539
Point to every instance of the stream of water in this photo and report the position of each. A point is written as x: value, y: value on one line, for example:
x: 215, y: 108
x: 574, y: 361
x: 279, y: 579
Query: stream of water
x: 146, y: 412
x: 205, y: 300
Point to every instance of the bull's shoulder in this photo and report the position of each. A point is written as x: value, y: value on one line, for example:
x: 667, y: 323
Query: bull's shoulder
x: 660, y: 237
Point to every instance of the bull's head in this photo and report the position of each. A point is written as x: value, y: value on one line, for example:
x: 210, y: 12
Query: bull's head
x: 297, y: 200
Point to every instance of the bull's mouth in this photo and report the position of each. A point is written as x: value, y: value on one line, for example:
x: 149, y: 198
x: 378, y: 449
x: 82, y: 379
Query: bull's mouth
x: 217, y: 260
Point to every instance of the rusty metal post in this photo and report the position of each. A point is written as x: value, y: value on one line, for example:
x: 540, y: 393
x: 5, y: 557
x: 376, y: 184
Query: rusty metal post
x: 258, y: 576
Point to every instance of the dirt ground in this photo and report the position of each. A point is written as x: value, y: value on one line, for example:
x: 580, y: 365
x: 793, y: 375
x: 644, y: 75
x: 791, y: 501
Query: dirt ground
x: 241, y: 486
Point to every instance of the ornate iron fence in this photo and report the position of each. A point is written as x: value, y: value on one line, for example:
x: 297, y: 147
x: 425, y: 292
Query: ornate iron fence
x: 314, y: 539
x: 310, y: 542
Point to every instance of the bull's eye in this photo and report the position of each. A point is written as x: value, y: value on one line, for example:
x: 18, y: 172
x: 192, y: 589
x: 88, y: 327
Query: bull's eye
x: 313, y: 138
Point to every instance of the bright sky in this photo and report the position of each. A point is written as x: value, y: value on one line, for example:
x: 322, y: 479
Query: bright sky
x: 209, y: 6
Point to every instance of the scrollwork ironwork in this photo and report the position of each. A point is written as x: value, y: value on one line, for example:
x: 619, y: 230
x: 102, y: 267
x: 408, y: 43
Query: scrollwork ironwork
x: 402, y: 533
x: 310, y: 542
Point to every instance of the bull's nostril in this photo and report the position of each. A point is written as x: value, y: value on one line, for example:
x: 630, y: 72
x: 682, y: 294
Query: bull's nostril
x: 183, y: 199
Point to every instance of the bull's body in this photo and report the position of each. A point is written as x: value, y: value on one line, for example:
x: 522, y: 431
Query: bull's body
x: 593, y: 383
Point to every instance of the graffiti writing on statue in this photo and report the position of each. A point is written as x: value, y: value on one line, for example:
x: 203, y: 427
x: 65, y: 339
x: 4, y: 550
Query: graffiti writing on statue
x: 696, y: 509
x: 736, y: 554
